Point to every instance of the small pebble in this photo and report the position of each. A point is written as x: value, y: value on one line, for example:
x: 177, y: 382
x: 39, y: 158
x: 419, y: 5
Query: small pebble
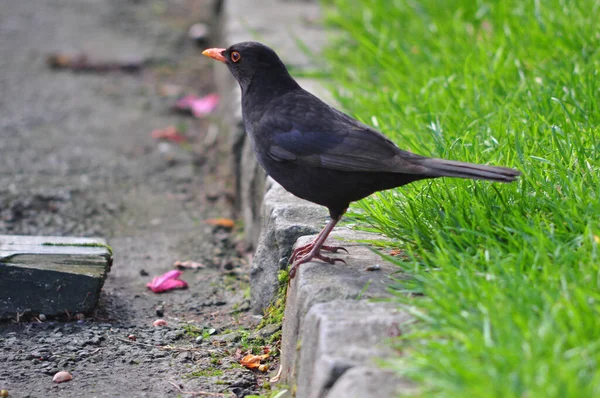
x: 375, y: 267
x: 160, y: 322
x: 263, y: 368
x: 80, y: 316
x: 283, y: 262
x: 62, y: 376
x: 199, y: 339
x: 199, y: 32
x: 42, y: 318
x: 160, y: 311
x: 132, y: 337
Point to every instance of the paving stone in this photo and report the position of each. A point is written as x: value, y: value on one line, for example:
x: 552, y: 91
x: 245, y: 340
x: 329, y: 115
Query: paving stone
x: 318, y: 282
x: 49, y: 275
x: 369, y: 382
x: 341, y: 334
x: 285, y: 218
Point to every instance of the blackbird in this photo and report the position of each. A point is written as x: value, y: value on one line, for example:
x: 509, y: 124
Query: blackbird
x: 319, y: 153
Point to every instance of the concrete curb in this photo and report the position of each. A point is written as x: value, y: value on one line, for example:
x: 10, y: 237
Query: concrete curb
x: 332, y: 335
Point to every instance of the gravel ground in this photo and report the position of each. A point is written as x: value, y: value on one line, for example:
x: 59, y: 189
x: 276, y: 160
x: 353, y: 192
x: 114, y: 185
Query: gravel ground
x: 77, y: 159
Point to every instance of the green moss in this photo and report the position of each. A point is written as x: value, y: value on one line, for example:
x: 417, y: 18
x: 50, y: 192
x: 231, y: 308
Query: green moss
x: 274, y: 313
x: 104, y: 245
x: 206, y: 373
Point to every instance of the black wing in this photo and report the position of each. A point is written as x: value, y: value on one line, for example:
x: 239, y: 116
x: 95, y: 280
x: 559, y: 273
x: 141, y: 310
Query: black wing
x: 309, y: 132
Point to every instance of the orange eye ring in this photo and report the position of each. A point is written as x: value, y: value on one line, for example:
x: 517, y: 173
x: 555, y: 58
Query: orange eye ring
x: 235, y: 56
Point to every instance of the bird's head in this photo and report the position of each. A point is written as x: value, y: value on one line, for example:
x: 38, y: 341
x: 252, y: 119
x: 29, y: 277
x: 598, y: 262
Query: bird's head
x: 250, y: 61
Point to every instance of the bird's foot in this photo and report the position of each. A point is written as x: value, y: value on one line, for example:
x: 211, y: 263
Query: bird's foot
x: 310, y: 253
x: 303, y: 250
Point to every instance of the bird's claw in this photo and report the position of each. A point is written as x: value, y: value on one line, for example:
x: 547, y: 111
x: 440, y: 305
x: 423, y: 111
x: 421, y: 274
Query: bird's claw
x: 329, y: 259
x: 317, y: 255
x: 334, y: 249
x: 302, y: 250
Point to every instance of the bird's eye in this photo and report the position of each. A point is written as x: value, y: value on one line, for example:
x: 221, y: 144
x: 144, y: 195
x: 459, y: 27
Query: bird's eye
x: 235, y: 56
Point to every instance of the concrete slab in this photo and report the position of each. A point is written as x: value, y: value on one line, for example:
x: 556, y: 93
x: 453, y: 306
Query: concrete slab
x: 51, y: 275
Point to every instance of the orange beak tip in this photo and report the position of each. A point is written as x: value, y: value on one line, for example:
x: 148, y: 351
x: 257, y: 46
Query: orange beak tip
x: 215, y: 53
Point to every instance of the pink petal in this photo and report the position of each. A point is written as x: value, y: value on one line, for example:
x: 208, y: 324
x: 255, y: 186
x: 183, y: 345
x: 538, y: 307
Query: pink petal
x: 198, y: 106
x: 186, y: 102
x: 205, y: 105
x: 167, y: 281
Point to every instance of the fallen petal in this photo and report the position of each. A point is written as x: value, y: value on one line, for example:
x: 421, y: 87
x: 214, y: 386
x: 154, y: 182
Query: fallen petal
x: 62, y: 376
x: 167, y: 281
x: 198, y: 106
x: 160, y: 322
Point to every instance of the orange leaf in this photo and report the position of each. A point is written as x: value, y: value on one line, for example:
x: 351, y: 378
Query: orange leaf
x: 253, y: 361
x: 169, y: 133
x: 221, y: 222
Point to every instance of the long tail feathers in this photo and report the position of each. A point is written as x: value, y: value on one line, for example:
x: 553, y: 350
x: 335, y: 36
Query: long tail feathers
x: 451, y: 168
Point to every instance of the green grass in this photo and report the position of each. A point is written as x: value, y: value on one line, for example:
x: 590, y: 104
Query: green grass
x: 510, y: 273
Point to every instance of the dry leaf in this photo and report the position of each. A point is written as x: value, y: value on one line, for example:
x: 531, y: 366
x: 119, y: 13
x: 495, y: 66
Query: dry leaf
x: 169, y: 133
x: 396, y: 252
x: 62, y: 376
x: 251, y: 361
x: 221, y: 222
x: 187, y: 265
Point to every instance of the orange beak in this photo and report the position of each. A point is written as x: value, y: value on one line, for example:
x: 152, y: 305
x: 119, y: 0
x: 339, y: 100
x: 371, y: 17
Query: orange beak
x: 215, y: 53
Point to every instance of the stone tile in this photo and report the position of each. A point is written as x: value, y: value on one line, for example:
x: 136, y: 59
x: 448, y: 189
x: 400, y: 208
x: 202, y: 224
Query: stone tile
x: 342, y: 334
x: 318, y: 282
x: 48, y: 274
x: 369, y: 382
x: 284, y: 219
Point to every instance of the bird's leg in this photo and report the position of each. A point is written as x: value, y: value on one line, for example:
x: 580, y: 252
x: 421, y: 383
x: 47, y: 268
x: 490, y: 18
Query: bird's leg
x: 312, y: 250
x: 302, y: 250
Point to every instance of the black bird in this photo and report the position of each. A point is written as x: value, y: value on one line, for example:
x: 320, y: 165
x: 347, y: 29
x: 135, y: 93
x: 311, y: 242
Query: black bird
x: 319, y: 153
